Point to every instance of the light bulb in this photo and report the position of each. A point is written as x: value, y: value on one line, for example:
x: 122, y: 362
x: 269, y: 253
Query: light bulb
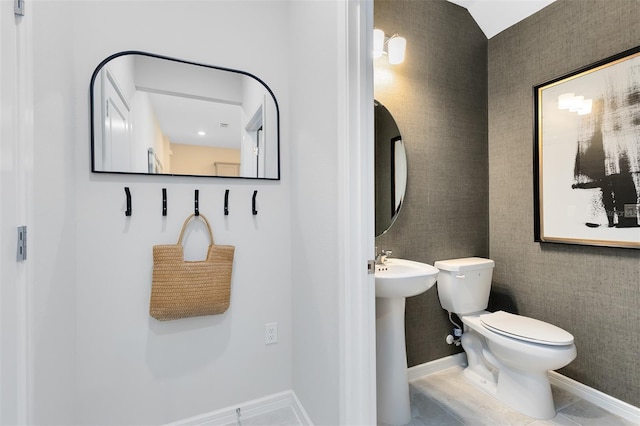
x: 397, y: 46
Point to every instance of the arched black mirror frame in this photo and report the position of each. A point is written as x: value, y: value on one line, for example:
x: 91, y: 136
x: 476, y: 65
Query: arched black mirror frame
x: 390, y: 169
x: 93, y: 111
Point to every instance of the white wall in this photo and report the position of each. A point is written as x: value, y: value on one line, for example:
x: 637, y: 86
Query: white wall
x: 93, y: 354
x: 99, y: 357
x: 332, y: 210
x: 314, y: 152
x: 123, y: 70
x: 146, y: 133
x: 254, y: 97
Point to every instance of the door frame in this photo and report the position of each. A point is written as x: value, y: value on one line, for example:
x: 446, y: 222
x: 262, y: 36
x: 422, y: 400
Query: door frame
x: 356, y: 197
x: 16, y: 187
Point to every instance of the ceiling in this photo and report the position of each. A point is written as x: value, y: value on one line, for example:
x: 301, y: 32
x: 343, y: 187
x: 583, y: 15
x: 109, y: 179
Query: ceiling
x: 188, y: 120
x: 494, y: 16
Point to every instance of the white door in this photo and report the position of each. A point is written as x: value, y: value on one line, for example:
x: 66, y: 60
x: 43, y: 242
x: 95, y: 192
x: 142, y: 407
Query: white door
x: 116, y: 154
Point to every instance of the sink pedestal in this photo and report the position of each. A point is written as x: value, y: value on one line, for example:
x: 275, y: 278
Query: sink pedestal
x: 391, y: 364
x: 396, y: 279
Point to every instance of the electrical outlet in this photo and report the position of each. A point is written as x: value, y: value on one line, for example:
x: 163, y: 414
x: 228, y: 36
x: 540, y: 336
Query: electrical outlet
x: 270, y: 333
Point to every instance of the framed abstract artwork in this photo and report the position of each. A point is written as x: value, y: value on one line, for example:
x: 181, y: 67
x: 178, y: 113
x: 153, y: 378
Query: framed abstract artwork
x: 587, y: 155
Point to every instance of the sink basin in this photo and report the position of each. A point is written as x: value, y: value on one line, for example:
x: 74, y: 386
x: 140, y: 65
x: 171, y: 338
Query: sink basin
x: 404, y: 278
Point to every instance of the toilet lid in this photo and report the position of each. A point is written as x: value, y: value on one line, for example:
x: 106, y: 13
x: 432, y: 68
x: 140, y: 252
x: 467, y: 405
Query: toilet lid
x: 524, y: 328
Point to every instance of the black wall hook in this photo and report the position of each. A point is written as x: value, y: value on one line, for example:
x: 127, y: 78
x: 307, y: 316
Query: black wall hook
x: 128, y: 193
x: 164, y: 201
x: 196, y: 203
x: 226, y: 202
x: 253, y: 203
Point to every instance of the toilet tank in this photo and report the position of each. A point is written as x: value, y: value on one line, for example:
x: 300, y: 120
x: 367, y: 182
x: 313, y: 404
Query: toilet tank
x: 464, y: 284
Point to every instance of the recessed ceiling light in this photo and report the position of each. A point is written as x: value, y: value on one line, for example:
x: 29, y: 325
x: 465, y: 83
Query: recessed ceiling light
x: 201, y: 133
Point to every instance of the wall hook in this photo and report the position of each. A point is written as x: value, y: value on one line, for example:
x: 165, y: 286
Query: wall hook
x: 253, y: 203
x: 226, y: 202
x: 164, y: 201
x: 196, y: 203
x: 128, y: 193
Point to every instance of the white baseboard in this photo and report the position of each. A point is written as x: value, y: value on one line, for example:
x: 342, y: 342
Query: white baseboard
x: 249, y: 409
x: 600, y: 399
x: 300, y: 412
x: 437, y: 365
x: 594, y: 396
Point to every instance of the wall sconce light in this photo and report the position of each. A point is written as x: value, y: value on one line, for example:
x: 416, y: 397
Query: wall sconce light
x: 395, y: 46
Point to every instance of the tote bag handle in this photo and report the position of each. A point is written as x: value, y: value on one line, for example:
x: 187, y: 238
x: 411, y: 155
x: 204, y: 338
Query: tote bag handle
x: 186, y: 222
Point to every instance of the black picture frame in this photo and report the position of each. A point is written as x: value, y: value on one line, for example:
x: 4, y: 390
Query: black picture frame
x: 586, y: 152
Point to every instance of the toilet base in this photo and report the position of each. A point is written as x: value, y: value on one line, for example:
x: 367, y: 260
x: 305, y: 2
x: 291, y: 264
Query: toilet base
x: 527, y: 392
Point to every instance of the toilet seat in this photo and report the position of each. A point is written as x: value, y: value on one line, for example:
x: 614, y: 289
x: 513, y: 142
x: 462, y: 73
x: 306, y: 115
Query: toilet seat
x: 525, y: 328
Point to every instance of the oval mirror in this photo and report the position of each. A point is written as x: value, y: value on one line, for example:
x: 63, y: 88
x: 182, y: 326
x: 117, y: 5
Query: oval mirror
x: 390, y: 169
x: 152, y: 114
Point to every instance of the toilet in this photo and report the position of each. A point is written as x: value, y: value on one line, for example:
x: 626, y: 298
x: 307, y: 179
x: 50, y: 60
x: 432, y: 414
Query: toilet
x: 509, y: 356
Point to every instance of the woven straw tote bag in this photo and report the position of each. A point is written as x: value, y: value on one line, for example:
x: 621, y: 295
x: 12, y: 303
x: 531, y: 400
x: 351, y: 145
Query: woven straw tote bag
x: 181, y: 288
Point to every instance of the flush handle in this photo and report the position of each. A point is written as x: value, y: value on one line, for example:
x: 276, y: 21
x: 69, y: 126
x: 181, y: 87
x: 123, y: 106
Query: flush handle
x: 460, y: 276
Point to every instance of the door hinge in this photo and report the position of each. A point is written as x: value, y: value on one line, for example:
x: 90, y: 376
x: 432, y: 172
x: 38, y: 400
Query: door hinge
x: 18, y: 7
x: 371, y: 267
x: 22, y: 243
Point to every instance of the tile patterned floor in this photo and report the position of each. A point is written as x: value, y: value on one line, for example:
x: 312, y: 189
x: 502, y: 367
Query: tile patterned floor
x: 446, y: 398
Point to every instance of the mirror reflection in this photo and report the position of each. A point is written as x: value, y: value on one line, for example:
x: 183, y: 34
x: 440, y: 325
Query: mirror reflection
x: 390, y: 169
x: 157, y: 115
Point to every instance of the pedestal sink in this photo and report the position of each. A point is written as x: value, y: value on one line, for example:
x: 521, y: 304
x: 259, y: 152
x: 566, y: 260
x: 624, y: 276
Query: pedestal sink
x: 396, y: 280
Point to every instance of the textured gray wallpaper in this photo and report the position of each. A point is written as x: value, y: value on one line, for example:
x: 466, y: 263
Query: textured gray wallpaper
x: 594, y: 293
x: 438, y: 97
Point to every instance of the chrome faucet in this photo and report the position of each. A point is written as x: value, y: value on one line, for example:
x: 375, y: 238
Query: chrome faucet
x: 382, y: 257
